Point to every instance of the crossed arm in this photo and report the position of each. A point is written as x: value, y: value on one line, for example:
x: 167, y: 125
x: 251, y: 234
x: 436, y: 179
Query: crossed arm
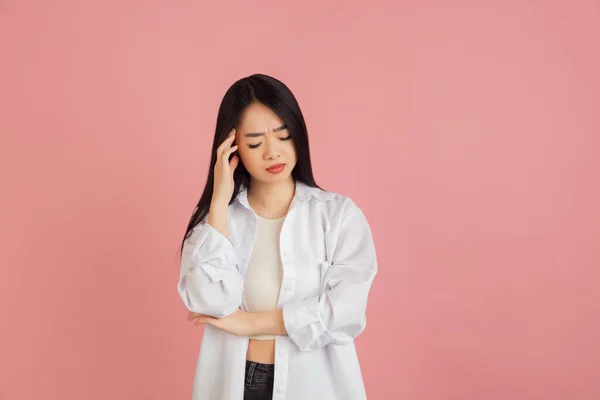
x: 211, y: 287
x: 244, y: 323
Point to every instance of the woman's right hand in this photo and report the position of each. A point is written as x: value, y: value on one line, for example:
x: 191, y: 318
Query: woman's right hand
x: 223, y: 171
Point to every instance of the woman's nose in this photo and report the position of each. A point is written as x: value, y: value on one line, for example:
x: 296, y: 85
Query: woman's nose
x: 271, y: 147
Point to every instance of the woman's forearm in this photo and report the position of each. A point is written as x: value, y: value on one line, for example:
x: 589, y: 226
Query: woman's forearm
x: 269, y: 322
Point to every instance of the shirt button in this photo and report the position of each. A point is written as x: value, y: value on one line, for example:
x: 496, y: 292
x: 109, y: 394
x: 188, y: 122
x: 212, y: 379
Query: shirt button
x: 280, y: 392
x: 281, y: 353
x: 288, y: 288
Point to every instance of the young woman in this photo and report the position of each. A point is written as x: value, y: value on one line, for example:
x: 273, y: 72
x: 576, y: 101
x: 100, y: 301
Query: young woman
x: 277, y: 269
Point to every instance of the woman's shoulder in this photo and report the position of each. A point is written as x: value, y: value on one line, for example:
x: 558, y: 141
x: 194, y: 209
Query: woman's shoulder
x: 335, y: 202
x: 322, y: 195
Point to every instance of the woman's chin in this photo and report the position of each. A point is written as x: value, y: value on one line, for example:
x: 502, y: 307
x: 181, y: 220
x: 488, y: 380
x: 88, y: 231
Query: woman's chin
x: 267, y: 177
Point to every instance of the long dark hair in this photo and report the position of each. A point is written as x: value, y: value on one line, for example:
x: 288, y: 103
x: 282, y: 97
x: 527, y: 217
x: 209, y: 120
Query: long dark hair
x: 278, y: 97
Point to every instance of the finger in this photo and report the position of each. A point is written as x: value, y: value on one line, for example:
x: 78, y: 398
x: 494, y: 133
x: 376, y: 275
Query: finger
x: 230, y: 150
x: 193, y: 315
x: 226, y: 143
x: 203, y: 320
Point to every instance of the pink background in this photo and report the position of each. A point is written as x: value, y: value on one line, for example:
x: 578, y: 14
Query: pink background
x: 467, y: 132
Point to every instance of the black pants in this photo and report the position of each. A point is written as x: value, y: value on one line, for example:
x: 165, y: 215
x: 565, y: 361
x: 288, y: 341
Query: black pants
x: 259, y: 381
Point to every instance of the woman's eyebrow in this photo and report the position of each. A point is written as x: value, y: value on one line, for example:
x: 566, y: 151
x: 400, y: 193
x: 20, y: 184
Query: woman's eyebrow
x: 256, y: 134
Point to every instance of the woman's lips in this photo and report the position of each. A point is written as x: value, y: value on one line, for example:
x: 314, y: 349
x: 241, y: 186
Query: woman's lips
x: 275, y: 169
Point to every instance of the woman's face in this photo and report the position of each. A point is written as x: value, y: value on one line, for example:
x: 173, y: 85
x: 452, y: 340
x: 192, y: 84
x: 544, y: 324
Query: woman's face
x: 264, y: 141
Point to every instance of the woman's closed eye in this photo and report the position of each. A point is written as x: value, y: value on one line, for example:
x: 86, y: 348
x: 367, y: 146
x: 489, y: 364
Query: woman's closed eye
x: 254, y: 146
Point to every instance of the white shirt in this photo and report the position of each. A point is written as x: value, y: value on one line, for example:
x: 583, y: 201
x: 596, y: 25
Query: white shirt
x: 329, y: 263
x: 262, y: 279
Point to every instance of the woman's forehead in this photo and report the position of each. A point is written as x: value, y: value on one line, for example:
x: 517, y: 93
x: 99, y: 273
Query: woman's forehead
x: 257, y: 119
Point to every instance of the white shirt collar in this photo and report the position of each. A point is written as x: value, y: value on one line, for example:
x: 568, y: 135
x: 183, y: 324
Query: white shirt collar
x: 302, y: 194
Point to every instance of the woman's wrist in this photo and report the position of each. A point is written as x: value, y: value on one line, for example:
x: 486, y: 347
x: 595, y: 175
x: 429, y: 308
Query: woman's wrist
x: 217, y: 217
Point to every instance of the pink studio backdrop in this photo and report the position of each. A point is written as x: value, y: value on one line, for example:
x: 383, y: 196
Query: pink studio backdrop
x: 467, y: 131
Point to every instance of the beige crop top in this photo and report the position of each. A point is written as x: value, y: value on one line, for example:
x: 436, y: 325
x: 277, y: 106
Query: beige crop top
x: 262, y: 279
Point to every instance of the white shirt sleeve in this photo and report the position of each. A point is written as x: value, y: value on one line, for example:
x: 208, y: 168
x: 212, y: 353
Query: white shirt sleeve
x: 209, y: 279
x: 338, y: 315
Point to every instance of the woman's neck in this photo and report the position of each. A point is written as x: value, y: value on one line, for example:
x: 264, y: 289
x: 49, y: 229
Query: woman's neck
x: 271, y: 200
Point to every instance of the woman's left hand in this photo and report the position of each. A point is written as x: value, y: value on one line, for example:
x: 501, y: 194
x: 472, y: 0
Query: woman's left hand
x: 239, y: 323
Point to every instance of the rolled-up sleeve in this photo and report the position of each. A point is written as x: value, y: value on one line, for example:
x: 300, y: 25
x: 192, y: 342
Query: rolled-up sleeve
x: 338, y: 314
x: 209, y: 279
